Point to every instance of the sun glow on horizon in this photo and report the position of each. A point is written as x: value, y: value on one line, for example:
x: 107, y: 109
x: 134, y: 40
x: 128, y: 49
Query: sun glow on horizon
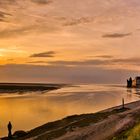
x: 97, y: 35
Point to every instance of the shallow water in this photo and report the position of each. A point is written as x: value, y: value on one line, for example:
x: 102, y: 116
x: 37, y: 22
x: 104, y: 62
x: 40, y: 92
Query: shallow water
x: 30, y: 110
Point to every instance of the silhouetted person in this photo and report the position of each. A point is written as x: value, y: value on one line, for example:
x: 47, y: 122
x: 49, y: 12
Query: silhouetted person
x: 122, y: 103
x: 9, y: 126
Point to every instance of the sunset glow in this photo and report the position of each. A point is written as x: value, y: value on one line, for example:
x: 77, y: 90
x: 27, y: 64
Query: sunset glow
x: 54, y: 35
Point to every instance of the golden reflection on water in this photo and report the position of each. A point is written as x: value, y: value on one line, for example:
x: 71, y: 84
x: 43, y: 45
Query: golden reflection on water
x: 30, y: 110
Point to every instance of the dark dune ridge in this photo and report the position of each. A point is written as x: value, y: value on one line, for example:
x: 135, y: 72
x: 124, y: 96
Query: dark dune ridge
x: 24, y: 87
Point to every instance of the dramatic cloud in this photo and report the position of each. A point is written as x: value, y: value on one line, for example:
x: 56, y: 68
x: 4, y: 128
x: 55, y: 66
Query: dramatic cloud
x: 1, y: 20
x: 130, y: 61
x: 82, y: 20
x: 41, y: 1
x: 80, y: 63
x: 104, y: 56
x: 44, y: 54
x: 37, y: 62
x: 5, y: 2
x: 3, y: 16
x: 7, y: 33
x: 25, y: 30
x: 82, y: 31
x: 105, y: 61
x: 116, y: 35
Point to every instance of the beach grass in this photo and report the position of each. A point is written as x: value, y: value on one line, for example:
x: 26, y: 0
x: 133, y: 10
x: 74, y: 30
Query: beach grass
x: 130, y: 134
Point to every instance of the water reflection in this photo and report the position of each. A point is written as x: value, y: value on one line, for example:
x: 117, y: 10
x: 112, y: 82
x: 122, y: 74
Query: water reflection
x: 27, y: 111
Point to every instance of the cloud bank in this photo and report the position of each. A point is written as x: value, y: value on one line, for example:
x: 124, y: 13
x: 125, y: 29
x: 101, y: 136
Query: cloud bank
x: 117, y: 35
x: 62, y: 74
x: 44, y: 54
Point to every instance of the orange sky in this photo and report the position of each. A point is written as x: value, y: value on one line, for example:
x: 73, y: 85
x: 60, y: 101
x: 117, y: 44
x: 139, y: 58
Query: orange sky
x: 64, y: 35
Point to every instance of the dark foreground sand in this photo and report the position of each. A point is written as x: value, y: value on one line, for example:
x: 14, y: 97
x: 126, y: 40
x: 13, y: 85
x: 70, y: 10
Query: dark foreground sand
x: 98, y: 126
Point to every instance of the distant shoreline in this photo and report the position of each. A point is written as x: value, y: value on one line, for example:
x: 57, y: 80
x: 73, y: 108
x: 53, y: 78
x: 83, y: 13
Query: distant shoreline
x: 23, y: 87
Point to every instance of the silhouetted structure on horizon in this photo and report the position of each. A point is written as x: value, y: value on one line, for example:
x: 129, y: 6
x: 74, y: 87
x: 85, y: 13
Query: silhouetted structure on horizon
x: 129, y: 82
x: 135, y: 83
x: 9, y: 126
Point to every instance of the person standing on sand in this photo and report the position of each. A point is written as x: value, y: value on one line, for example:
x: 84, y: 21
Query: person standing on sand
x: 122, y: 103
x: 9, y: 126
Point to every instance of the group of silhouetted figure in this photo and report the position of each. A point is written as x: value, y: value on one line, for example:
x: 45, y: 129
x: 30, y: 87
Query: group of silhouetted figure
x: 129, y: 82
